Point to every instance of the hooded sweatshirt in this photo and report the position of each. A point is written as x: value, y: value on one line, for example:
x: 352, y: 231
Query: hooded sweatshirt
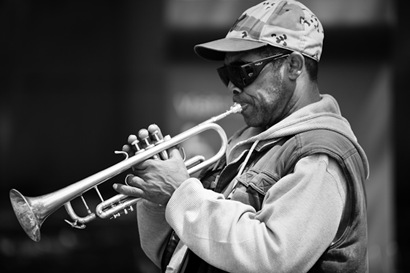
x: 297, y: 222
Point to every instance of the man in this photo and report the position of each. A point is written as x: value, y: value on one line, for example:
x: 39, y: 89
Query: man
x: 289, y: 196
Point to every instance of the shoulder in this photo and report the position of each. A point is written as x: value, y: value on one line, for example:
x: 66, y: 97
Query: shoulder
x: 329, y: 166
x: 324, y: 140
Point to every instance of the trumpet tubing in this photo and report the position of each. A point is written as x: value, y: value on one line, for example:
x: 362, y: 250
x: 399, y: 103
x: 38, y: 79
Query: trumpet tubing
x: 31, y: 212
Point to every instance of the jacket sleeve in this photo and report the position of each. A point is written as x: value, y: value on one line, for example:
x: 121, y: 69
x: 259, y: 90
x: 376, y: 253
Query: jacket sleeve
x: 298, y: 221
x: 153, y: 230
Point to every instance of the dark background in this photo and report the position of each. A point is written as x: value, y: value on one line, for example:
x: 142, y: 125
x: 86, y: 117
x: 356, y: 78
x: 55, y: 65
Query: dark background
x: 78, y: 77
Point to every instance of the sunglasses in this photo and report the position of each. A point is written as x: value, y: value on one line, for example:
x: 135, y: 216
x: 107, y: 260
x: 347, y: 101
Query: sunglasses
x: 243, y: 75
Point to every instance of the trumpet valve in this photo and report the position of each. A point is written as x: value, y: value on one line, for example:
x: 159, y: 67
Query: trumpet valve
x: 134, y: 142
x: 154, y: 132
x: 137, y: 147
x: 144, y: 136
x: 155, y: 137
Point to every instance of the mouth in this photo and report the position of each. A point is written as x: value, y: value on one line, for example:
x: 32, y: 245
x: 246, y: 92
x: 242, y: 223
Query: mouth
x: 243, y: 105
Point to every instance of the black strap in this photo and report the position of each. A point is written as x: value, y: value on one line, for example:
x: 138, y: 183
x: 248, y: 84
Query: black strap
x: 169, y: 250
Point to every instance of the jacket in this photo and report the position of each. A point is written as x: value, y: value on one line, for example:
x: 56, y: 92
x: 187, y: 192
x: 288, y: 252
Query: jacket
x: 296, y: 221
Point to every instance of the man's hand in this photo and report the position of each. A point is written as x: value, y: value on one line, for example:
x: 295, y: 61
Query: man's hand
x: 155, y: 179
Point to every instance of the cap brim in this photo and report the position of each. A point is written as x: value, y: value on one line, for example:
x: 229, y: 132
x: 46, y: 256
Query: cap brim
x: 216, y: 50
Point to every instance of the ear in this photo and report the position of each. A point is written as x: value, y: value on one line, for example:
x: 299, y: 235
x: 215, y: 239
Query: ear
x: 295, y: 65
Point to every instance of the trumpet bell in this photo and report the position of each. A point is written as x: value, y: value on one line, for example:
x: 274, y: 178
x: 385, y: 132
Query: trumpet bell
x: 25, y: 215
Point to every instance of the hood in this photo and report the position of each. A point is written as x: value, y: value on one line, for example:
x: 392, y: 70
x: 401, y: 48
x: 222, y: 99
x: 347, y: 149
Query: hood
x: 324, y: 114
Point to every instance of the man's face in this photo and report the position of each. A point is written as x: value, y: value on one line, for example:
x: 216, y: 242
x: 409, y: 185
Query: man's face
x: 266, y: 100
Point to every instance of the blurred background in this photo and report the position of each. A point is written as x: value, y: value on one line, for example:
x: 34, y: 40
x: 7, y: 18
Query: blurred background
x: 77, y: 77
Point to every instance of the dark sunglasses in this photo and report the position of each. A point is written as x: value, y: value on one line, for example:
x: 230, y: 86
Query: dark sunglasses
x: 243, y: 75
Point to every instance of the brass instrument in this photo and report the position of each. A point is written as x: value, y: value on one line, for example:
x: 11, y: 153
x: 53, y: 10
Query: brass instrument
x: 31, y: 212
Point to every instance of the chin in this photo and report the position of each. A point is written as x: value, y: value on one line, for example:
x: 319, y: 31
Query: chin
x: 253, y: 119
x: 251, y: 122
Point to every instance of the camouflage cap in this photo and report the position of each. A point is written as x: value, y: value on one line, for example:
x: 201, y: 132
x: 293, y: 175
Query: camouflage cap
x: 285, y: 24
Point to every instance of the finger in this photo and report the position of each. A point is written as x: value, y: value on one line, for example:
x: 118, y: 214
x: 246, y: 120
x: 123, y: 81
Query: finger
x: 131, y: 139
x: 174, y: 152
x: 133, y: 181
x: 143, y: 136
x: 126, y: 148
x: 128, y: 190
x: 133, y: 145
x: 142, y: 166
x: 157, y: 138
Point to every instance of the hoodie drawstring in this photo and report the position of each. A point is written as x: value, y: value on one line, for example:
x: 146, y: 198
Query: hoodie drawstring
x: 242, y: 168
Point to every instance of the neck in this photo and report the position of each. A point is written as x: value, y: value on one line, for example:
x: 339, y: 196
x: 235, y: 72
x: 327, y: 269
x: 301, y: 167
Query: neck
x: 305, y: 93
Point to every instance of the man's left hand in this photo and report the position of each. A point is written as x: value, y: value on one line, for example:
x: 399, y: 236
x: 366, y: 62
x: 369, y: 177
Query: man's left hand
x: 156, y: 180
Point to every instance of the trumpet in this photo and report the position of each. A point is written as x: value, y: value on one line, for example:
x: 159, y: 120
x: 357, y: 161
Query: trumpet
x: 31, y: 212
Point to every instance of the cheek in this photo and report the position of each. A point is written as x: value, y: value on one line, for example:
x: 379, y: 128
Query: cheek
x: 271, y: 90
x: 265, y: 94
x: 272, y: 101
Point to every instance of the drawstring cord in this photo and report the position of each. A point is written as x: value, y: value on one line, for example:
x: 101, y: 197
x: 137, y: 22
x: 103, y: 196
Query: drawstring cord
x: 245, y: 162
x: 242, y: 168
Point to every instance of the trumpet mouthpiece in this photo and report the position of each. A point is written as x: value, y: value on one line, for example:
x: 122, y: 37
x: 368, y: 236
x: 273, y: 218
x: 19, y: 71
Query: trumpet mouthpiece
x: 236, y: 108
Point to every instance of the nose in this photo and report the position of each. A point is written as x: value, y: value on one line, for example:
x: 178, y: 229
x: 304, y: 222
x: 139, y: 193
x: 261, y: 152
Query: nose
x: 234, y: 89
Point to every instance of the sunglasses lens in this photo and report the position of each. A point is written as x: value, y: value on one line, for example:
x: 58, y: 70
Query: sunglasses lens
x: 243, y: 75
x: 236, y: 77
x: 223, y: 74
x: 231, y: 74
